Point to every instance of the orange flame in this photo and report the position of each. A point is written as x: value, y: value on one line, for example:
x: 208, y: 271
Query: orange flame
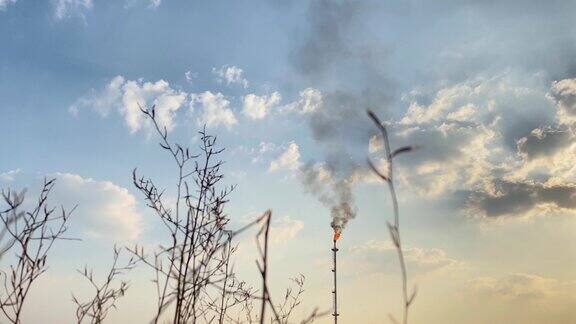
x: 336, y: 236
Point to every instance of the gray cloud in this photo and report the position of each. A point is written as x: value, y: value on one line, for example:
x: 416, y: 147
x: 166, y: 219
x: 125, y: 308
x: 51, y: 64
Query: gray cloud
x: 544, y: 142
x: 475, y: 74
x: 465, y: 153
x: 517, y: 198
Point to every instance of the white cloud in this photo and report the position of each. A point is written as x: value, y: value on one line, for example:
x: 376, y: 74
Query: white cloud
x: 520, y: 287
x: 102, y: 101
x: 285, y: 229
x: 549, y: 152
x: 127, y: 96
x: 466, y: 136
x: 147, y: 94
x: 380, y: 256
x: 463, y: 113
x: 190, y: 76
x: 264, y: 148
x: 215, y: 109
x: 458, y: 157
x: 455, y: 103
x: 310, y: 100
x: 68, y: 8
x: 231, y: 75
x: 4, y: 3
x: 464, y: 132
x: 155, y: 3
x: 375, y: 144
x: 256, y: 107
x: 105, y: 210
x: 10, y: 175
x: 563, y: 92
x: 151, y: 4
x: 288, y: 160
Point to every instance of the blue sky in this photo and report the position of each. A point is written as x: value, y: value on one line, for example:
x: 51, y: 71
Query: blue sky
x: 486, y: 89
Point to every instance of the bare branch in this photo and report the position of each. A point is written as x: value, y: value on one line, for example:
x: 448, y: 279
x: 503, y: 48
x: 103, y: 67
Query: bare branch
x: 106, y: 294
x: 32, y: 234
x: 394, y: 228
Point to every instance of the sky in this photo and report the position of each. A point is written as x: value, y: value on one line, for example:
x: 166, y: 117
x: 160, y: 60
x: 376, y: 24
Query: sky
x: 486, y: 90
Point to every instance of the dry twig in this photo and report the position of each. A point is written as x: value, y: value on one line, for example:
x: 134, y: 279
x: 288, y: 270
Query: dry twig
x: 193, y: 271
x: 94, y: 311
x: 394, y: 228
x: 32, y: 234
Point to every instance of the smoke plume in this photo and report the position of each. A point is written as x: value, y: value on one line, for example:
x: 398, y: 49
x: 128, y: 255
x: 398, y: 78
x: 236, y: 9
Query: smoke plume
x: 351, y: 78
x: 334, y: 194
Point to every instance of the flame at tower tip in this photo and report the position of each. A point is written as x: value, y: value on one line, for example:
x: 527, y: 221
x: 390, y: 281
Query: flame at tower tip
x: 336, y: 236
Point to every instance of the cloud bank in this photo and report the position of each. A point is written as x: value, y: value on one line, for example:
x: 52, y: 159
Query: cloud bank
x: 105, y: 210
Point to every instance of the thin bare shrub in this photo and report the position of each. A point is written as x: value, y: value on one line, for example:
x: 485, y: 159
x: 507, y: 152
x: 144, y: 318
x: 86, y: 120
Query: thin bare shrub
x: 394, y: 228
x: 106, y: 294
x: 31, y: 234
x: 292, y: 298
x: 192, y: 272
x: 280, y: 313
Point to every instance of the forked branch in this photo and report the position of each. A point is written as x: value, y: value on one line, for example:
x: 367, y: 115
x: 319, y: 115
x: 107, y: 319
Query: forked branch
x: 32, y: 234
x: 106, y: 294
x: 394, y: 228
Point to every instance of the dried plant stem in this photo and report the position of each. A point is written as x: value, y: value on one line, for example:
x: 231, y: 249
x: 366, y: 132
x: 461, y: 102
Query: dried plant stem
x: 192, y: 273
x: 222, y: 310
x: 32, y: 234
x: 394, y: 229
x: 105, y: 295
x: 262, y: 239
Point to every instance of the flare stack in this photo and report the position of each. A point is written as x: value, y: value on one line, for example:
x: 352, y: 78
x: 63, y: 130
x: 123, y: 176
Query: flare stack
x: 335, y: 290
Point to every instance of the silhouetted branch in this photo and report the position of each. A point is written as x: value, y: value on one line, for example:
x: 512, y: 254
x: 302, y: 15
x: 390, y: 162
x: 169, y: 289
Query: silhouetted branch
x: 291, y: 298
x: 13, y: 200
x: 32, y: 234
x: 394, y: 229
x: 192, y: 272
x: 95, y: 310
x: 262, y: 239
